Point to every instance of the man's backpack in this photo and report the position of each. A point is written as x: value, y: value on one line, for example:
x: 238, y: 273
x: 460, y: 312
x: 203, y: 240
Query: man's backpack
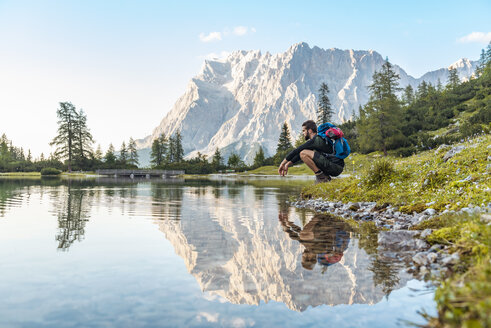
x: 335, y: 137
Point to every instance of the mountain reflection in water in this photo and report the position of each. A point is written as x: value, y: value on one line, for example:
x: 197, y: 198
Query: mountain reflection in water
x: 239, y: 241
x: 235, y: 248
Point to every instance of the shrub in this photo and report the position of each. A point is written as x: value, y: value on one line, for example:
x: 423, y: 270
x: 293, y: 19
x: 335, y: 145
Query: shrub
x: 47, y: 171
x: 380, y: 171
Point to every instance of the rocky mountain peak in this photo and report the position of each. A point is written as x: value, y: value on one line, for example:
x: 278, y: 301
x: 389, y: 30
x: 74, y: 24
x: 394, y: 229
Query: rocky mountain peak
x: 240, y: 102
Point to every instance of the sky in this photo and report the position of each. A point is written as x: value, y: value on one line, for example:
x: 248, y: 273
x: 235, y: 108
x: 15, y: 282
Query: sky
x: 125, y: 63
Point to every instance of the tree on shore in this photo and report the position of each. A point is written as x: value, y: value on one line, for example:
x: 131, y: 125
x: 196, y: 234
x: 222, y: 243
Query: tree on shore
x: 133, y: 154
x: 217, y: 160
x: 284, y: 141
x: 123, y: 154
x: 259, y: 158
x: 64, y: 140
x: 324, y: 109
x: 110, y: 157
x: 234, y: 161
x: 159, y: 151
x: 83, y: 138
x: 379, y: 120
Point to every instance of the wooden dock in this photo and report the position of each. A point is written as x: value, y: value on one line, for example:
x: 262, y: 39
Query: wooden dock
x: 165, y: 174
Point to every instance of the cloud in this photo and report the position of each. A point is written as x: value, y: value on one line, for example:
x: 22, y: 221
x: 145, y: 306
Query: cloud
x: 207, y: 316
x: 236, y: 31
x: 240, y: 30
x: 479, y: 37
x: 212, y: 36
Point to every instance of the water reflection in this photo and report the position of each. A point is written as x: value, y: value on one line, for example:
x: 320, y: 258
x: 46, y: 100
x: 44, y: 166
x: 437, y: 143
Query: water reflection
x: 324, y: 237
x: 231, y: 236
x: 73, y: 214
x: 237, y: 249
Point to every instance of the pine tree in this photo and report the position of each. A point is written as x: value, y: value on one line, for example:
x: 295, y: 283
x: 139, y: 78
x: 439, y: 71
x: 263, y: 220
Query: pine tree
x: 98, y: 153
x: 259, y: 158
x: 171, y: 153
x: 284, y: 141
x: 234, y: 161
x: 29, y: 157
x: 83, y: 139
x: 110, y: 157
x: 408, y: 95
x: 179, y: 152
x: 379, y: 121
x: 159, y: 151
x: 64, y: 140
x: 133, y: 153
x: 324, y: 109
x: 217, y: 160
x: 123, y: 154
x: 453, y: 78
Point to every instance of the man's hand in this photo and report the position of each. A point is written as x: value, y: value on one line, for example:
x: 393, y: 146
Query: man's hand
x: 283, y: 169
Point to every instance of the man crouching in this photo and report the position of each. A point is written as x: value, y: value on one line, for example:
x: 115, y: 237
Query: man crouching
x: 316, y: 153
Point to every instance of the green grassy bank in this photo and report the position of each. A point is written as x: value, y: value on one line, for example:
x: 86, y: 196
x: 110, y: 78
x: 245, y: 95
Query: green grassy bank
x: 451, y: 185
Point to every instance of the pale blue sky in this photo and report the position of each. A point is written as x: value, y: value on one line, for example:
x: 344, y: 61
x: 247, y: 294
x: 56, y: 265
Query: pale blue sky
x: 126, y: 62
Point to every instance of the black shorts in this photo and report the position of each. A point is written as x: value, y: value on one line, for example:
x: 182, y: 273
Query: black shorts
x: 327, y: 166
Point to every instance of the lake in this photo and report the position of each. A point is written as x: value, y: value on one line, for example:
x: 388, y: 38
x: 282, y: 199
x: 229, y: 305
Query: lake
x: 190, y: 253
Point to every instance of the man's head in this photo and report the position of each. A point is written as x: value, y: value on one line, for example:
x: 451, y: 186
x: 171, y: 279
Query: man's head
x: 309, y: 129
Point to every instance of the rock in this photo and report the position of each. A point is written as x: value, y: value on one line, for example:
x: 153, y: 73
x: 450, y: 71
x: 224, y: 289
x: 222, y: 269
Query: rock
x: 435, y: 248
x: 400, y: 240
x: 429, y: 212
x: 452, y: 152
x: 421, y: 259
x: 486, y: 218
x: 451, y: 259
x: 426, y: 233
x: 432, y: 257
x: 355, y: 207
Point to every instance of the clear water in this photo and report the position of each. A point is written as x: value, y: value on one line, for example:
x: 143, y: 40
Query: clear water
x: 107, y: 253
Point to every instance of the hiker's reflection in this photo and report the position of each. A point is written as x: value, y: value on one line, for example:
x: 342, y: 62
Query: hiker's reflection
x: 325, y: 239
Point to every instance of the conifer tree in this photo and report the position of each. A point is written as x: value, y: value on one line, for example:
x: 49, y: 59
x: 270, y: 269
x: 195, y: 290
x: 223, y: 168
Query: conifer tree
x: 133, y: 153
x: 98, y: 153
x: 284, y: 141
x: 64, y: 140
x: 259, y: 158
x: 217, y: 160
x: 453, y: 78
x: 324, y: 109
x: 123, y: 154
x: 110, y: 157
x: 179, y: 152
x: 408, y: 95
x: 159, y: 151
x: 234, y: 161
x: 380, y: 118
x: 83, y: 139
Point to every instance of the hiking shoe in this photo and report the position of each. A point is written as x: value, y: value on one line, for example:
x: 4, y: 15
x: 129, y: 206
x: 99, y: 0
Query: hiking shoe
x: 321, y: 178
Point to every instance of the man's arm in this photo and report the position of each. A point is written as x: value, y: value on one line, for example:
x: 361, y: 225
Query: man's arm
x: 296, y: 152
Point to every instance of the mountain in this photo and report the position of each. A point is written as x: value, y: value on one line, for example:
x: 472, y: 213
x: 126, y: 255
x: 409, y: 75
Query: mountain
x: 239, y: 103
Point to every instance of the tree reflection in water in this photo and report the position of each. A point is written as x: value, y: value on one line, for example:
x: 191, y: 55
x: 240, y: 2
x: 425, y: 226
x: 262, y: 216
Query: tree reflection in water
x: 73, y: 214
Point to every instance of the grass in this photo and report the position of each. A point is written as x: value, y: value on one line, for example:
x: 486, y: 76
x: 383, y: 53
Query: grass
x: 426, y: 180
x: 418, y: 180
x: 464, y: 298
x: 20, y: 174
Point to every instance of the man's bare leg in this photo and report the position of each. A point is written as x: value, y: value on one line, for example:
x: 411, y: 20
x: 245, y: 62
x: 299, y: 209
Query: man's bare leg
x: 307, y: 157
